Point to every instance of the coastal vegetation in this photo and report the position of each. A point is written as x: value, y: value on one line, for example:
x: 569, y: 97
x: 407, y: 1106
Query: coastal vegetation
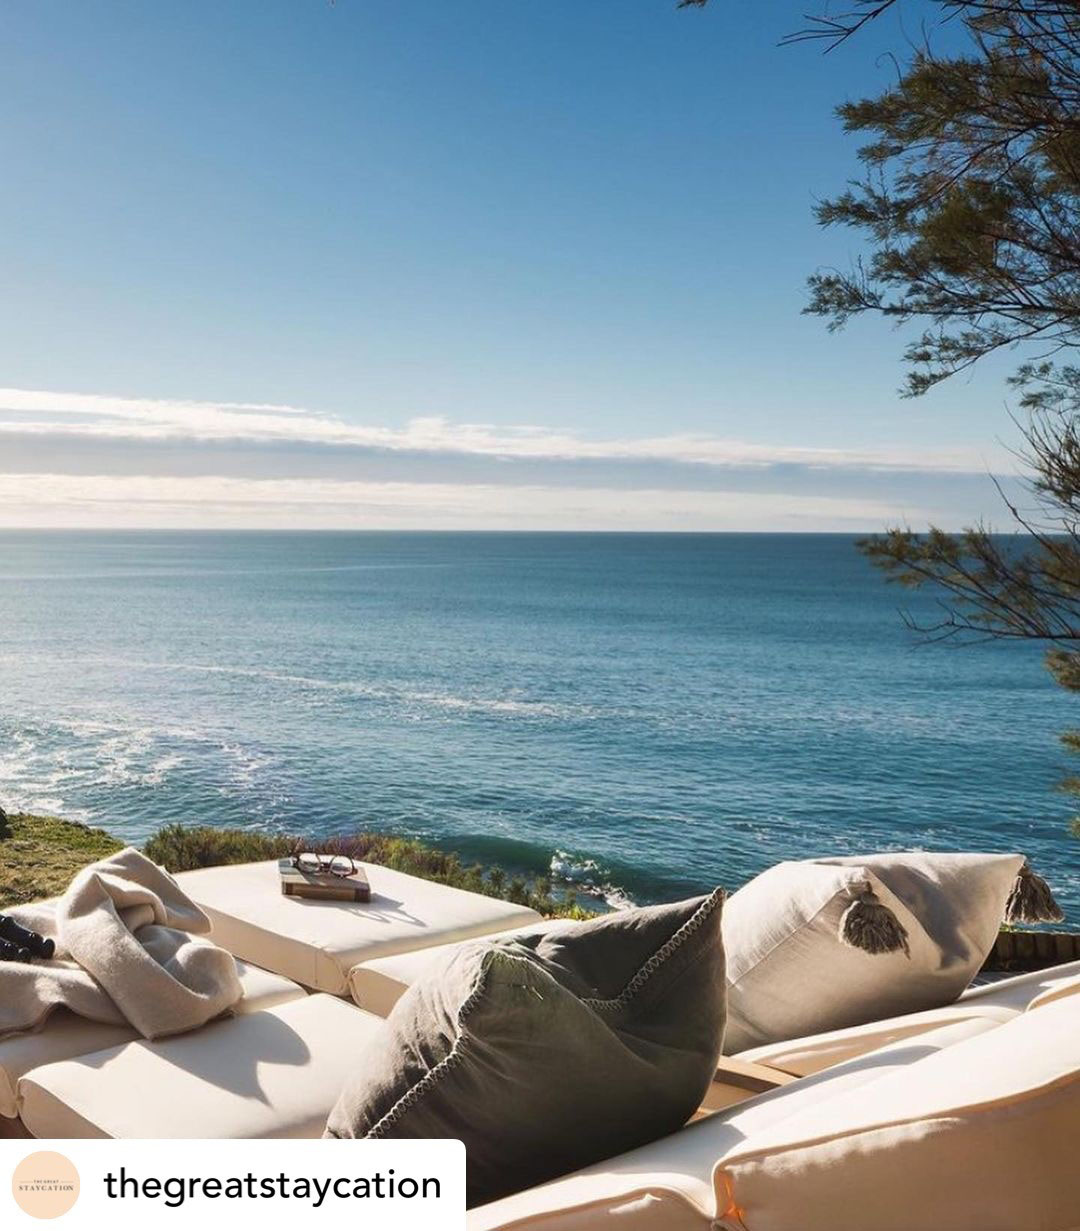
x: 40, y: 854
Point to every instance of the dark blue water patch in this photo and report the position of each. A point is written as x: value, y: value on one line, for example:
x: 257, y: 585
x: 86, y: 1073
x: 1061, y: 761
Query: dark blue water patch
x: 650, y: 714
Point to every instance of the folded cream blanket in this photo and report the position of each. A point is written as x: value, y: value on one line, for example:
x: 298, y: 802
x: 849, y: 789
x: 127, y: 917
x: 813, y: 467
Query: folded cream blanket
x: 124, y: 953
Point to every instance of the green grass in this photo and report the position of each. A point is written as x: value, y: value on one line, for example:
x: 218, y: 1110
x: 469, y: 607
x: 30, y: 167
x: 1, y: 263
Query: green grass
x: 40, y: 854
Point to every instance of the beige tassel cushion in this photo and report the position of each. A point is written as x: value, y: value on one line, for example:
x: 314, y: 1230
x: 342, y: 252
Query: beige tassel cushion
x: 824, y: 944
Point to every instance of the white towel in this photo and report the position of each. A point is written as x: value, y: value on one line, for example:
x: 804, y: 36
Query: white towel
x: 124, y: 953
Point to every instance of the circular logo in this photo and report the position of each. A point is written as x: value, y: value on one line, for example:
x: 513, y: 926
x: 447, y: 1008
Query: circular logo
x: 45, y: 1185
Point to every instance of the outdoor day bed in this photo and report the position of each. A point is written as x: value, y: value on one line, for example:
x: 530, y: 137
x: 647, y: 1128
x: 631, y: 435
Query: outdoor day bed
x: 65, y: 1036
x: 982, y: 1092
x: 285, y: 948
x: 969, y: 1125
x: 319, y: 947
x: 842, y: 1129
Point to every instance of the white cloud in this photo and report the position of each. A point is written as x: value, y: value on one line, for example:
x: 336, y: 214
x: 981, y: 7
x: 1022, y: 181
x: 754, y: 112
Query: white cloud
x: 84, y: 459
x: 155, y: 502
x: 68, y: 415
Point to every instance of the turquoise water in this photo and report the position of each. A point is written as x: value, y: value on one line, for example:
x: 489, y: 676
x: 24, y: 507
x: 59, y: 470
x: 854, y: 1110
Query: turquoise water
x: 648, y: 714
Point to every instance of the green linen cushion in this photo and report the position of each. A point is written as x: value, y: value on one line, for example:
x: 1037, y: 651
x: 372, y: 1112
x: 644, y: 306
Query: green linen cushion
x: 553, y: 1049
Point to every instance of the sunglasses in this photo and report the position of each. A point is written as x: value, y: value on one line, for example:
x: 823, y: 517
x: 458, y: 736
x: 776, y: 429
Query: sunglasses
x: 332, y: 865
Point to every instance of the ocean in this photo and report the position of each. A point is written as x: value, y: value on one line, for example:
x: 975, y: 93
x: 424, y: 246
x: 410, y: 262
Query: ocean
x: 644, y: 716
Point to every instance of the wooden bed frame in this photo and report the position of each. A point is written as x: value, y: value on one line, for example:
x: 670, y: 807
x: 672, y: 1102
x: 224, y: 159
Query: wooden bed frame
x: 1016, y: 952
x: 13, y: 1130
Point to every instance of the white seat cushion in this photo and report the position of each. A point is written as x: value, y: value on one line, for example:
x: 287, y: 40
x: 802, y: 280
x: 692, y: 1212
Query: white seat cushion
x: 1000, y: 1002
x: 1057, y: 991
x: 1020, y: 991
x: 275, y: 1073
x: 64, y: 1036
x: 817, y: 1052
x: 979, y: 1137
x: 669, y: 1184
x: 379, y: 984
x: 317, y: 943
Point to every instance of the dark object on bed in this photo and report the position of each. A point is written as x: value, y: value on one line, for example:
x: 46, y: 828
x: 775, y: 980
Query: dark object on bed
x: 22, y: 938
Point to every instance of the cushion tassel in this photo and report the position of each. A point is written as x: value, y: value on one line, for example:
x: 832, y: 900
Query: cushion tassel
x: 869, y: 925
x: 1030, y: 900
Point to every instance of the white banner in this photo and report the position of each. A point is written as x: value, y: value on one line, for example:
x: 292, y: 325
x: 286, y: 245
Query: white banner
x: 132, y: 1185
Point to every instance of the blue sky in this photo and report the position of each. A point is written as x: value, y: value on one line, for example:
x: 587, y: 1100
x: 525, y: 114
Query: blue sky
x: 476, y: 264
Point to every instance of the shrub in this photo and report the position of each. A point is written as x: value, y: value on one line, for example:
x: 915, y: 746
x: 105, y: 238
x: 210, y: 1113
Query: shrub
x: 181, y: 849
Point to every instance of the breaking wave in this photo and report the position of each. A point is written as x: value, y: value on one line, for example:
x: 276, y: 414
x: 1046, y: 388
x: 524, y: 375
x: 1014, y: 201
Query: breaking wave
x: 586, y: 876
